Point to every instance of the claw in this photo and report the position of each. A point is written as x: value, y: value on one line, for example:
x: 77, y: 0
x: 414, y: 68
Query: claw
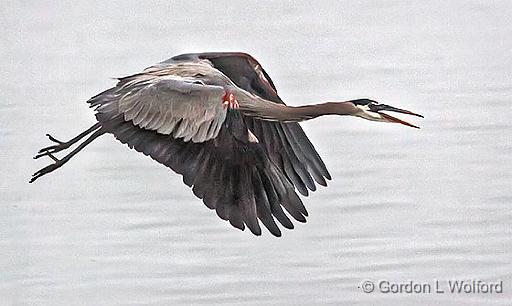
x: 53, y: 149
x: 45, y: 170
x: 54, y: 139
x: 49, y: 149
x: 50, y: 155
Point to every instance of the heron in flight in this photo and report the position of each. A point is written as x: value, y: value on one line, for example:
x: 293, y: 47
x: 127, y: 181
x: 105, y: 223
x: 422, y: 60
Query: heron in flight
x: 216, y: 119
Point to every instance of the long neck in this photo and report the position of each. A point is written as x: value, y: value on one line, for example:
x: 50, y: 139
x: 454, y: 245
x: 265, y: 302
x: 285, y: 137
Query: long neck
x: 254, y: 106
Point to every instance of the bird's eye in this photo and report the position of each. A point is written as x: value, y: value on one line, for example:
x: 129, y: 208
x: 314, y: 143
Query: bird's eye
x: 198, y: 75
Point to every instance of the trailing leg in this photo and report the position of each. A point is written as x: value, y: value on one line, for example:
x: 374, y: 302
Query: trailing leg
x: 60, y: 162
x: 61, y: 145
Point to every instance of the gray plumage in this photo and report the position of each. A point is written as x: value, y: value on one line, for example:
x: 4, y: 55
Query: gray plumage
x: 170, y: 100
x: 244, y: 161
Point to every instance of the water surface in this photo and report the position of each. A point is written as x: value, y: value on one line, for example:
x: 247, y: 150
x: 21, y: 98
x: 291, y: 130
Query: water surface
x: 113, y: 227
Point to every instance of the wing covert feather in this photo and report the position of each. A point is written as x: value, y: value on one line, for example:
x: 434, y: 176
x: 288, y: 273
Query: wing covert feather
x: 167, y: 104
x: 164, y: 102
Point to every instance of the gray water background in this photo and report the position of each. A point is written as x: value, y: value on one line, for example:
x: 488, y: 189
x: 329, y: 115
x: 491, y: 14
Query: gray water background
x: 113, y: 227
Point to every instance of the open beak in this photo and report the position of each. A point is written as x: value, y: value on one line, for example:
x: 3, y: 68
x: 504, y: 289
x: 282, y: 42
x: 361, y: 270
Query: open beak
x: 383, y: 107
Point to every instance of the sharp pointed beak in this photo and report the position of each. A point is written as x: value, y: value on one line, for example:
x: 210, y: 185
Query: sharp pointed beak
x: 382, y: 107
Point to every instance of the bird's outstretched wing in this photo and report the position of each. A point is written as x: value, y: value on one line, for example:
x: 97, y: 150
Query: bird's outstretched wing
x: 231, y: 173
x: 285, y: 143
x: 167, y: 104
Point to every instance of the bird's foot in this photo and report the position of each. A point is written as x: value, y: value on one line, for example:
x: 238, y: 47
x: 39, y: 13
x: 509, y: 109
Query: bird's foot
x: 52, y: 149
x: 54, y: 139
x: 50, y: 168
x: 46, y: 153
x: 229, y: 101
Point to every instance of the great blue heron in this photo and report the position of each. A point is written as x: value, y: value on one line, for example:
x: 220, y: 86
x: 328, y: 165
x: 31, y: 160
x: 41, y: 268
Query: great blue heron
x: 216, y: 119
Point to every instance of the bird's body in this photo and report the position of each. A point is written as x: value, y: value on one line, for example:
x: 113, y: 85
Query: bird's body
x: 216, y: 119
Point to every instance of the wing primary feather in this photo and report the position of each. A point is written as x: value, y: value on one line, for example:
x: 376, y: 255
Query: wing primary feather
x: 271, y: 143
x: 262, y: 204
x: 222, y: 207
x: 294, y: 177
x: 247, y: 202
x: 227, y: 194
x: 235, y: 216
x: 313, y: 163
x: 273, y: 200
x: 195, y: 157
x: 203, y: 174
x: 297, y: 165
x: 210, y: 188
x: 284, y: 196
x: 308, y: 149
x: 210, y: 197
x: 146, y: 143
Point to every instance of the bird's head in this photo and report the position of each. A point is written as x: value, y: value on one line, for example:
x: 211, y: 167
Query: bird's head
x: 373, y: 110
